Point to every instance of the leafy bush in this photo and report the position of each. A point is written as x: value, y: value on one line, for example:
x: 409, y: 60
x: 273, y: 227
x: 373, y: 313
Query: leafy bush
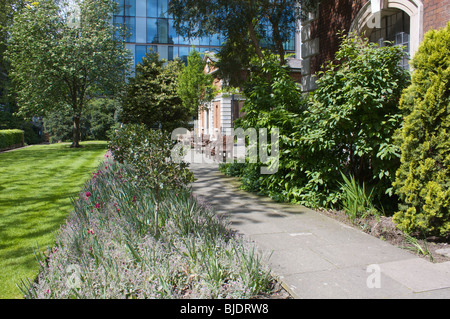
x: 423, y: 179
x: 109, y: 247
x: 9, y: 138
x: 352, y: 117
x: 346, y: 125
x: 150, y: 153
x: 273, y: 101
x: 32, y: 130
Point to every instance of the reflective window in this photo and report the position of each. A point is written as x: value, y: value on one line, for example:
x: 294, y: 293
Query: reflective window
x: 147, y: 22
x: 183, y: 53
x: 141, y: 50
x: 130, y: 8
x: 152, y: 8
x: 152, y: 31
x: 173, y: 36
x: 141, y: 30
x: 215, y: 40
x: 120, y: 7
x: 163, y: 30
x: 130, y: 26
x: 141, y: 8
x: 163, y: 6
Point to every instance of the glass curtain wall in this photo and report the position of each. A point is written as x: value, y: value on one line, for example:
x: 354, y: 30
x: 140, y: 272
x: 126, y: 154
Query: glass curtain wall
x: 149, y: 26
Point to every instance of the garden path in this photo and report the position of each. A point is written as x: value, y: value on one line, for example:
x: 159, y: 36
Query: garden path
x: 315, y: 256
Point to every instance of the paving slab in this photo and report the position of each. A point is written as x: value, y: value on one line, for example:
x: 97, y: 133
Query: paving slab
x: 418, y: 274
x: 315, y: 256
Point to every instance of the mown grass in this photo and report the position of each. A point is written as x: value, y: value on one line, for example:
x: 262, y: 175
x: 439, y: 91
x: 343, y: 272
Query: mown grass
x: 36, y: 187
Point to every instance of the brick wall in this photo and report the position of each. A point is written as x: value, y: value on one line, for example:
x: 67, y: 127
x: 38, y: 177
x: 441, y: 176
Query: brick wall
x: 436, y: 14
x: 333, y: 16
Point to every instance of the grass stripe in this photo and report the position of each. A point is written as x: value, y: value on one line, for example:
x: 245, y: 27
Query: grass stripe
x: 36, y: 184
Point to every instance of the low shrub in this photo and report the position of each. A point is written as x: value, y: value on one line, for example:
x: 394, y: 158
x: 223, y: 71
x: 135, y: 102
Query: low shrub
x: 109, y: 247
x: 9, y: 138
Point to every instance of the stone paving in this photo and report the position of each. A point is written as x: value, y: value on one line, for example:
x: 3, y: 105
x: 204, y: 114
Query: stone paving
x: 315, y: 256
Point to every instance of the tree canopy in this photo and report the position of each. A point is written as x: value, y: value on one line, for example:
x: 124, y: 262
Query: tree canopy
x: 151, y: 97
x: 248, y: 26
x: 63, y: 55
x: 194, y: 85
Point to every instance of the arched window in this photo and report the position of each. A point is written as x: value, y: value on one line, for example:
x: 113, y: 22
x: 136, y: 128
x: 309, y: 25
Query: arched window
x: 395, y: 28
x: 397, y: 21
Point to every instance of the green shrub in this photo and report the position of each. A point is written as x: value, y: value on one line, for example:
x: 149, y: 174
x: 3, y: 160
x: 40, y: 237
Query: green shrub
x: 356, y: 199
x: 32, y: 130
x: 352, y: 117
x: 423, y: 179
x: 150, y: 153
x: 10, y: 138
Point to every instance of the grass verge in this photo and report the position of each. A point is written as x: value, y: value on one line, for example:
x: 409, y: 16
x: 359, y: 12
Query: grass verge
x: 36, y: 187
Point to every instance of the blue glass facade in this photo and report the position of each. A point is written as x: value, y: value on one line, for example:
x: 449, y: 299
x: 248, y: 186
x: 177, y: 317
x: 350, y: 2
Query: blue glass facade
x: 149, y: 26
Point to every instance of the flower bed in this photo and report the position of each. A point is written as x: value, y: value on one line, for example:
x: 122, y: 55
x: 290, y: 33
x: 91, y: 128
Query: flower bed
x: 110, y: 247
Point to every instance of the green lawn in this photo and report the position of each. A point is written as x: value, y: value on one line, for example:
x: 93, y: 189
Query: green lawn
x: 36, y: 185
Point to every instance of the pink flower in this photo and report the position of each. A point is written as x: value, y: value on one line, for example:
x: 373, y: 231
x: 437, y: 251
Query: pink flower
x: 87, y: 194
x: 97, y: 206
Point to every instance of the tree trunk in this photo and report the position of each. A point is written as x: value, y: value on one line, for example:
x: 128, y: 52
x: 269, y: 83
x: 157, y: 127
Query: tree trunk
x: 76, y: 131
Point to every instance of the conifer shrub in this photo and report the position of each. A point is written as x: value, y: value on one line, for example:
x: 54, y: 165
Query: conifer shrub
x: 423, y: 179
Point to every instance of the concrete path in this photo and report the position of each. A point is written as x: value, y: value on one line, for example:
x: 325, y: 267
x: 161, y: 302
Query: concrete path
x: 315, y: 256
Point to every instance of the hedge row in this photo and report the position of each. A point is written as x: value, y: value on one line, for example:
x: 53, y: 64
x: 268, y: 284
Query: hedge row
x: 10, y: 139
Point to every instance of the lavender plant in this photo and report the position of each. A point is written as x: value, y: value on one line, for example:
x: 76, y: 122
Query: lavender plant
x: 109, y: 248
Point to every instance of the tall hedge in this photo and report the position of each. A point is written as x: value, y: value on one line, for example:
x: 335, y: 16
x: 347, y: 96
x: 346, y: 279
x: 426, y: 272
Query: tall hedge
x: 423, y: 179
x: 9, y: 138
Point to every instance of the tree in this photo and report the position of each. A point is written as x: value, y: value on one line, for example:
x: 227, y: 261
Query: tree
x: 151, y: 96
x: 194, y: 86
x: 7, y: 9
x: 247, y: 26
x: 60, y: 59
x: 423, y: 178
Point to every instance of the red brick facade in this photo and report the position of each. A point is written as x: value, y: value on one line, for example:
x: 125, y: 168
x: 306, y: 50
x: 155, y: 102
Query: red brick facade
x: 333, y: 16
x: 337, y: 15
x: 436, y: 14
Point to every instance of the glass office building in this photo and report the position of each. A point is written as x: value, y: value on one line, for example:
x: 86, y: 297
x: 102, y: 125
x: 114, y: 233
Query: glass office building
x: 149, y: 26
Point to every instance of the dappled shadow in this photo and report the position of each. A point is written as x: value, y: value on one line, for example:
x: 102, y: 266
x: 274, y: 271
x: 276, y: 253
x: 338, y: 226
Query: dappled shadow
x: 223, y: 194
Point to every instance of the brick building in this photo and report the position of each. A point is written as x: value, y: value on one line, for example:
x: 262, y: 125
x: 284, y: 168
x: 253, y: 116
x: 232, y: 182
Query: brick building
x: 402, y: 21
x: 217, y: 116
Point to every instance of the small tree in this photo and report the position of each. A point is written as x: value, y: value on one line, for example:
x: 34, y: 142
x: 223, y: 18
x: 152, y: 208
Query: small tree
x: 63, y: 54
x: 149, y: 152
x: 423, y: 179
x: 194, y: 86
x: 151, y: 97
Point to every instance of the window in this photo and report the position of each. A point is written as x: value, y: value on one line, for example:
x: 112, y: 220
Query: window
x: 395, y: 29
x: 130, y: 8
x: 141, y: 30
x: 152, y: 8
x: 130, y: 26
x: 152, y: 31
x: 141, y: 8
x: 141, y: 50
